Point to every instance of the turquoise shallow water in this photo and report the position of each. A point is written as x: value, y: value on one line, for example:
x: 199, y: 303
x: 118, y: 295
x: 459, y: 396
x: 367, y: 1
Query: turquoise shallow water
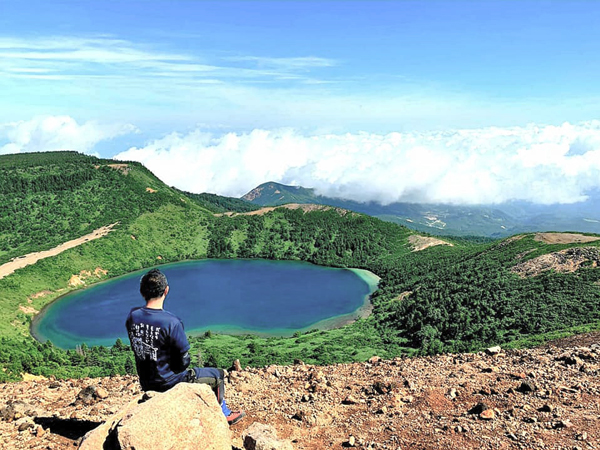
x: 228, y: 296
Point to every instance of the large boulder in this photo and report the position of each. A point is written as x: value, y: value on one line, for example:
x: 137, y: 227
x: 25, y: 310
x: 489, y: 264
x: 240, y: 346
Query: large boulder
x: 187, y: 416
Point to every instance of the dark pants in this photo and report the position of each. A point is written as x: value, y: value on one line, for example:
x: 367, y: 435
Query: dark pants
x: 215, y: 378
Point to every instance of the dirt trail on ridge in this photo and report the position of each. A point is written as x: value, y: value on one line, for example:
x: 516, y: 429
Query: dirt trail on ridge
x: 31, y: 258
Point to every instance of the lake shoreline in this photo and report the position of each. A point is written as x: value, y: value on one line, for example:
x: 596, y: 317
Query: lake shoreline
x: 364, y: 310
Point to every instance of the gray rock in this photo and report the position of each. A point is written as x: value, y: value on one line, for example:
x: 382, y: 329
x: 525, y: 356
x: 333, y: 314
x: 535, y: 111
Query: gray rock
x: 24, y: 424
x: 14, y: 409
x: 264, y: 437
x: 493, y: 350
x: 526, y: 386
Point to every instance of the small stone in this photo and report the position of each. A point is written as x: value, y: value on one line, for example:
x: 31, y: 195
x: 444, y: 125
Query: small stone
x: 526, y: 386
x: 382, y: 410
x: 566, y: 423
x: 374, y: 359
x: 351, y: 441
x: 260, y: 436
x: 479, y: 408
x: 582, y: 436
x: 546, y: 408
x: 40, y: 431
x: 350, y: 400
x: 25, y: 426
x: 408, y: 399
x: 101, y: 393
x: 453, y: 393
x: 383, y: 388
x: 487, y: 414
x: 237, y: 366
x: 493, y: 350
x: 86, y: 395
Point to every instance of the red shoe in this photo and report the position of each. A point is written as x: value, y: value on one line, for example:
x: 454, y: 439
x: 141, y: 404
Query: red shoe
x: 235, y: 417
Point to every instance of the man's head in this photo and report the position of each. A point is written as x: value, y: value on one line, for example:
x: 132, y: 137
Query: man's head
x: 153, y: 284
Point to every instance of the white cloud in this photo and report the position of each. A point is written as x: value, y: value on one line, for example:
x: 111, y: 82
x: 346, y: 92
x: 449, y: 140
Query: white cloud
x: 96, y: 49
x: 486, y: 165
x: 85, y: 57
x: 56, y: 133
x: 289, y: 63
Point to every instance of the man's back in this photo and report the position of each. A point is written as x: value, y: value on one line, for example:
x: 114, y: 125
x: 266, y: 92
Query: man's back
x: 158, y: 340
x: 162, y: 349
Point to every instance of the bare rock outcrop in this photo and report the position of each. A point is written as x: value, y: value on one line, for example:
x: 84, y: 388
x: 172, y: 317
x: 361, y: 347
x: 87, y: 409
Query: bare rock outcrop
x: 563, y: 261
x: 185, y: 417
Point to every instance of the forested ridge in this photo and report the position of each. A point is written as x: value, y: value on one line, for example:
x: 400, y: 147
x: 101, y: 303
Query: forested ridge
x: 219, y: 204
x: 50, y: 198
x: 444, y: 298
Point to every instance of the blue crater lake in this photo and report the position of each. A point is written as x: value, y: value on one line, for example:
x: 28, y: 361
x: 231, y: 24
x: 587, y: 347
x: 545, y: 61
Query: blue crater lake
x: 273, y: 298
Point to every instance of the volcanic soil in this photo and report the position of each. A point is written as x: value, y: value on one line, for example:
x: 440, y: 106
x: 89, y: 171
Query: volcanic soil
x: 544, y: 398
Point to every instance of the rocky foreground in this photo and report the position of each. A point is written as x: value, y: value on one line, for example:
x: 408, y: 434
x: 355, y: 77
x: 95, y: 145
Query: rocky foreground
x: 545, y: 398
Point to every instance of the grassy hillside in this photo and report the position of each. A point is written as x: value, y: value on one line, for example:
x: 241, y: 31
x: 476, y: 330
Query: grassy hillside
x: 443, y: 298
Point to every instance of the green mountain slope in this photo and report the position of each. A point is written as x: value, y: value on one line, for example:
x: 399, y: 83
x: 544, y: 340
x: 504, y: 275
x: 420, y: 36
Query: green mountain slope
x: 219, y: 204
x: 442, y: 298
x: 448, y: 220
x: 50, y: 198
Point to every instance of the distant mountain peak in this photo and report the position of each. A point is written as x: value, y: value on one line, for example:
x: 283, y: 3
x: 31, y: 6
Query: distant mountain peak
x: 459, y: 220
x: 274, y: 194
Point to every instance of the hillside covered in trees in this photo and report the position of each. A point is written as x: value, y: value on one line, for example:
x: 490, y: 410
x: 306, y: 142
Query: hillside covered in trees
x: 492, y: 221
x: 462, y: 297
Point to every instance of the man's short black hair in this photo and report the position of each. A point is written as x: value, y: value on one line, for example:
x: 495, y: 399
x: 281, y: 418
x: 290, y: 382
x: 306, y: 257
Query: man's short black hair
x: 153, y: 284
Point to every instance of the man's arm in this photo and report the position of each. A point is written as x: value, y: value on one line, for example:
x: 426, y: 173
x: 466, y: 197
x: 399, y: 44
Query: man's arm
x: 180, y: 356
x: 181, y: 364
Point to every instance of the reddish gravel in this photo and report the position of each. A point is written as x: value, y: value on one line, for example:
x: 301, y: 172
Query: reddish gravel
x: 546, y: 398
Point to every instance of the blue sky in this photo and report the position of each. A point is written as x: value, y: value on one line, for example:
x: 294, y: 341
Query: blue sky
x: 131, y: 73
x: 386, y: 64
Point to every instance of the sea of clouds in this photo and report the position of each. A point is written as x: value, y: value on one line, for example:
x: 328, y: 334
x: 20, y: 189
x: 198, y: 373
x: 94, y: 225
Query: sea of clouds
x: 537, y: 163
x: 51, y: 133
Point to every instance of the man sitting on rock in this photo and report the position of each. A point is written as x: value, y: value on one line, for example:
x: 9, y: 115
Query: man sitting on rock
x: 161, y: 347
